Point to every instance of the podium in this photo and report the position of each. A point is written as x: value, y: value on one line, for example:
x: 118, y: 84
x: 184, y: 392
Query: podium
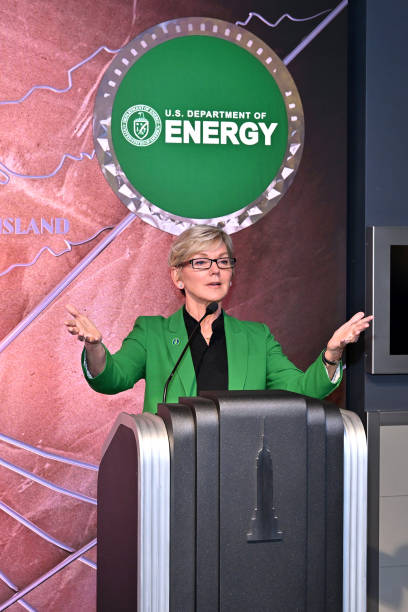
x: 228, y: 502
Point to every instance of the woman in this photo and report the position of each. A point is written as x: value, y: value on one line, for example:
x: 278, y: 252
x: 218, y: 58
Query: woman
x: 227, y: 354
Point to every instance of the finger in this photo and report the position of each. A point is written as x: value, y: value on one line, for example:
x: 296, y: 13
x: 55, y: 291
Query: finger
x: 72, y: 310
x: 360, y: 327
x: 70, y: 323
x: 364, y: 321
x: 355, y: 334
x: 73, y: 331
x: 357, y: 317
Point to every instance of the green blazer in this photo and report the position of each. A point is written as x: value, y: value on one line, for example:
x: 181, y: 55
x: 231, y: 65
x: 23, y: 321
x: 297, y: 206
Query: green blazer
x: 255, y: 361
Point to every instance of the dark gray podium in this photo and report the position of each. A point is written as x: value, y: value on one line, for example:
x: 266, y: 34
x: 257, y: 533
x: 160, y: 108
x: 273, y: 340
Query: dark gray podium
x: 227, y: 502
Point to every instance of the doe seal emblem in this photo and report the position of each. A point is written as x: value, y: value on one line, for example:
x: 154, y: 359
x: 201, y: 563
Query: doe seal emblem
x: 141, y: 125
x: 198, y: 121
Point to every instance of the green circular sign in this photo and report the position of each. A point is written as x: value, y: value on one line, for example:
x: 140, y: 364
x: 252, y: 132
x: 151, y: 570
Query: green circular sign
x: 197, y: 120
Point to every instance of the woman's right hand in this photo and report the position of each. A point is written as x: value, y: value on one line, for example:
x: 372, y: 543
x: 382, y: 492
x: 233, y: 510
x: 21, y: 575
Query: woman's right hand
x: 82, y: 327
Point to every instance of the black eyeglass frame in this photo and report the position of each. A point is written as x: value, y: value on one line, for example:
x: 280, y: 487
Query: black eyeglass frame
x: 232, y: 261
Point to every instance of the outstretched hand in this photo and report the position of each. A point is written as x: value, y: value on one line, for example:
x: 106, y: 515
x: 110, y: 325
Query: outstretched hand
x: 346, y: 334
x: 82, y: 327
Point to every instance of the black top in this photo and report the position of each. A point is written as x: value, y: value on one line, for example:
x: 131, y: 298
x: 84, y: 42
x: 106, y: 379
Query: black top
x: 209, y: 360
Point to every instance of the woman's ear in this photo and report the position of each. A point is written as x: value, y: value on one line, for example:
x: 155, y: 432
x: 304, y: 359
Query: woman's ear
x: 175, y: 277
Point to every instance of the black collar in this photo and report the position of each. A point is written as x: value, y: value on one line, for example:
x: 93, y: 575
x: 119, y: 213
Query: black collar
x: 191, y: 322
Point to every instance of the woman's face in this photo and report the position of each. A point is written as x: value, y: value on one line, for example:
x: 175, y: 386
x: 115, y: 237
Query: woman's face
x: 204, y: 286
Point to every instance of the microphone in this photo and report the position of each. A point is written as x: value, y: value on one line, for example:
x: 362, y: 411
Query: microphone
x: 211, y: 308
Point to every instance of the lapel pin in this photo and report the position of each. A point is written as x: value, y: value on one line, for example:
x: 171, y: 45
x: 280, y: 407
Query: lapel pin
x: 175, y: 341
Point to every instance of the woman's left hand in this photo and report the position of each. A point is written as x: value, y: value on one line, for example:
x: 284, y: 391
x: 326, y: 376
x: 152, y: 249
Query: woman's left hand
x: 347, y: 333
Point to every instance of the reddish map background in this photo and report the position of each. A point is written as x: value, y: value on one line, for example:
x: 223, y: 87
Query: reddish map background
x: 291, y: 272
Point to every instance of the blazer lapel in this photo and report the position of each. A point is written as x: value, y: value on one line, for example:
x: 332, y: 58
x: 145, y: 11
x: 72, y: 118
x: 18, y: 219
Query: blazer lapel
x: 237, y: 352
x: 184, y: 381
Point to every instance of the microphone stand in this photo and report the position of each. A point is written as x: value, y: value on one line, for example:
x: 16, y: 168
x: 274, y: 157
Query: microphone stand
x: 211, y: 308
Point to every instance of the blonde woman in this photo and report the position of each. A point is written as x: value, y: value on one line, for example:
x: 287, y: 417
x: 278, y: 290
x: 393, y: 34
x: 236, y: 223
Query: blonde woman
x: 227, y: 354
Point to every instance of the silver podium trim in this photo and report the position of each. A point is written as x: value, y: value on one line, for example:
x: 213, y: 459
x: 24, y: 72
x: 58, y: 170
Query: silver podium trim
x: 354, y: 514
x: 153, y: 592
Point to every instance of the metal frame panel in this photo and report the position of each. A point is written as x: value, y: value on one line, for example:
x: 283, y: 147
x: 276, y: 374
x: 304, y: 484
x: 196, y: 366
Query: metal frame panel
x: 154, y: 513
x: 146, y: 445
x: 354, y: 514
x: 377, y: 337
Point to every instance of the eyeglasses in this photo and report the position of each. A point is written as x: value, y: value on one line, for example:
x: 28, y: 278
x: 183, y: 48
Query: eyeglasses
x: 205, y: 263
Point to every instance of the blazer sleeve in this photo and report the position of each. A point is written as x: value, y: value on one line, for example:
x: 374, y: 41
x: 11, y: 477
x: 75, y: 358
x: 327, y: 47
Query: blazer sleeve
x: 283, y: 374
x: 125, y: 367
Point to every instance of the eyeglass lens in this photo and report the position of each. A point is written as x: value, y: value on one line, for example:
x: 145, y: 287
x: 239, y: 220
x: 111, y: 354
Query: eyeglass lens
x: 204, y: 263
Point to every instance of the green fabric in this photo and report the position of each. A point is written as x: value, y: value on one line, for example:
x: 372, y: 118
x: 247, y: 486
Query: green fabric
x: 255, y: 361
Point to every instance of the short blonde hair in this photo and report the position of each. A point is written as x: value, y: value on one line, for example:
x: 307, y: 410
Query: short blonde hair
x: 197, y: 239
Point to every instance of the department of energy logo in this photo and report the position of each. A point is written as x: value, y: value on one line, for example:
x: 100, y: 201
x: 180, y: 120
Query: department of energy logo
x: 198, y: 121
x: 204, y: 131
x: 140, y: 125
